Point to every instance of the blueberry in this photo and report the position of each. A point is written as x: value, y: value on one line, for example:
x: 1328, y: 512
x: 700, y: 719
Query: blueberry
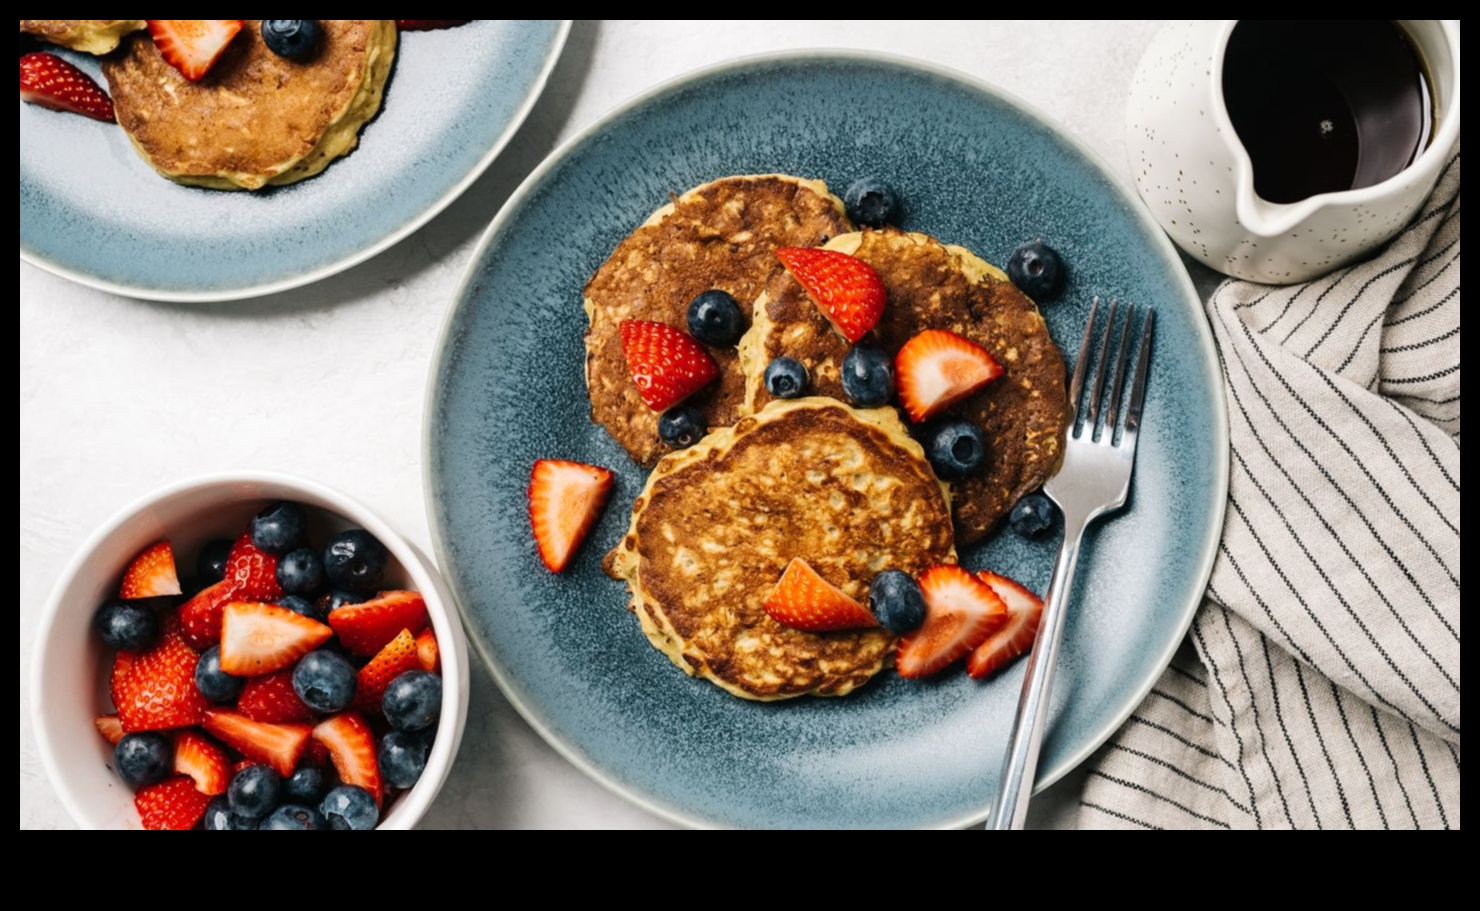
x: 324, y: 680
x: 254, y: 791
x: 868, y: 376
x: 349, y: 807
x: 872, y: 203
x: 355, y: 561
x: 403, y: 757
x: 210, y: 565
x: 219, y: 817
x: 144, y: 757
x: 413, y: 701
x: 125, y: 625
x: 296, y: 39
x: 682, y: 426
x: 317, y: 609
x: 214, y: 683
x: 1032, y: 516
x: 1037, y: 270
x: 280, y: 528
x: 955, y: 448
x: 786, y: 378
x: 896, y: 601
x: 338, y: 598
x: 301, y: 572
x: 295, y: 817
x: 715, y: 318
x: 305, y: 785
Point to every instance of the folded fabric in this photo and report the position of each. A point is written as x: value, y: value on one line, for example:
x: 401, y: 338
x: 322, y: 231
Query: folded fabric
x: 1319, y: 687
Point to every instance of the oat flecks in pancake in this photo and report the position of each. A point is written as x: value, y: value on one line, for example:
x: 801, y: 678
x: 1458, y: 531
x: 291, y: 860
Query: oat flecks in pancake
x: 720, y: 235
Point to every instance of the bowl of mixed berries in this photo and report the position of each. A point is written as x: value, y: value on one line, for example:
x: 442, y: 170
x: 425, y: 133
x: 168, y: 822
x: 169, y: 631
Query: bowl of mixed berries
x: 249, y: 652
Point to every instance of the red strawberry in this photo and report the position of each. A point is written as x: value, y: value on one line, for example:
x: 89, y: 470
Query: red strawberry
x: 271, y: 698
x: 565, y: 499
x: 151, y: 574
x: 192, y: 46
x: 805, y: 600
x: 110, y: 727
x: 352, y: 748
x: 961, y: 611
x: 667, y: 365
x: 172, y: 804
x: 277, y: 745
x: 1024, y: 610
x: 200, y: 617
x: 366, y: 627
x: 847, y: 290
x: 53, y: 83
x: 252, y: 572
x: 937, y: 368
x: 203, y: 761
x: 427, y: 653
x: 261, y: 638
x: 155, y: 690
x: 398, y: 657
x: 316, y: 755
x: 422, y: 25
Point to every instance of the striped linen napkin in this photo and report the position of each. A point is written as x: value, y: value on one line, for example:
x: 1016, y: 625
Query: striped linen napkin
x: 1319, y: 687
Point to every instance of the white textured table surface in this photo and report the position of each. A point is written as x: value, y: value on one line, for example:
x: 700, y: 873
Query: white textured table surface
x: 120, y: 396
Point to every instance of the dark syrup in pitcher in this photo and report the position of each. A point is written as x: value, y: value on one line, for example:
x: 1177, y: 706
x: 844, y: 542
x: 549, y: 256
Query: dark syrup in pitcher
x: 1324, y: 105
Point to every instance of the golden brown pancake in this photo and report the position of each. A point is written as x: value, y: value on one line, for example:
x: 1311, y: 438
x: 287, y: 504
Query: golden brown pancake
x: 933, y: 286
x: 846, y: 490
x: 720, y: 235
x: 92, y: 36
x: 256, y: 118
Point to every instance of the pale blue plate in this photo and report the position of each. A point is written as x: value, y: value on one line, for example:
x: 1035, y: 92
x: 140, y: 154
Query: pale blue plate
x: 95, y: 212
x: 975, y: 167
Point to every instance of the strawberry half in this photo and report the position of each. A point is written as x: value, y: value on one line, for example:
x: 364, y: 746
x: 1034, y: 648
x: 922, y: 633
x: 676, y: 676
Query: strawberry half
x: 424, y: 25
x: 1013, y: 638
x: 151, y: 574
x: 203, y: 762
x: 428, y: 655
x: 366, y: 627
x: 110, y: 727
x: 193, y: 46
x: 155, y: 690
x: 565, y: 499
x: 845, y: 288
x: 271, y: 698
x: 261, y: 638
x: 398, y: 657
x: 352, y: 749
x: 55, y: 84
x: 171, y: 805
x: 200, y: 617
x: 277, y: 745
x: 667, y: 364
x: 804, y: 600
x: 938, y: 368
x: 252, y: 573
x: 961, y: 611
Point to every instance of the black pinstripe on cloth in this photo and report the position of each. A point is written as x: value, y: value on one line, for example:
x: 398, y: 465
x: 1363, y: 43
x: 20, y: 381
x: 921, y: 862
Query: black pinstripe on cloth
x: 1319, y: 688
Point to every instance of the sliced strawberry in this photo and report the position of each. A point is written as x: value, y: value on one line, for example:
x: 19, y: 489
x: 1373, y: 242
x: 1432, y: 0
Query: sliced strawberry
x: 174, y: 804
x: 961, y: 611
x: 804, y: 600
x: 1013, y: 638
x: 53, y: 83
x: 271, y: 698
x: 151, y: 574
x: 200, y: 617
x: 428, y: 655
x: 277, y: 745
x: 845, y: 288
x: 261, y: 638
x: 366, y: 627
x: 352, y: 748
x: 123, y: 662
x: 398, y: 657
x: 252, y: 572
x: 110, y: 727
x: 423, y: 25
x: 155, y: 690
x: 316, y: 755
x: 565, y: 499
x: 667, y: 364
x: 192, y: 46
x: 203, y: 761
x: 938, y: 368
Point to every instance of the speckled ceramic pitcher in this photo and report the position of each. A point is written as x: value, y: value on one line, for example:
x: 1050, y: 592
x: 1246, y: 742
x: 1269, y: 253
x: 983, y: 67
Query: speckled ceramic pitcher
x: 1198, y: 180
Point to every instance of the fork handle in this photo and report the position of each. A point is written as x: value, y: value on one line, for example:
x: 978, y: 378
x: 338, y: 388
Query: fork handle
x: 1020, y: 766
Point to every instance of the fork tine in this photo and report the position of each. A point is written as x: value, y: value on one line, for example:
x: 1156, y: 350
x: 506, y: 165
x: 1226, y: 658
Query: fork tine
x: 1076, y: 383
x: 1138, y: 388
x: 1122, y: 355
x: 1099, y: 389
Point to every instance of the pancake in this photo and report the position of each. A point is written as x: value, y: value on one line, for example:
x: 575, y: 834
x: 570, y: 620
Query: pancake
x: 934, y: 286
x: 256, y: 119
x: 712, y: 531
x: 92, y: 36
x: 719, y: 235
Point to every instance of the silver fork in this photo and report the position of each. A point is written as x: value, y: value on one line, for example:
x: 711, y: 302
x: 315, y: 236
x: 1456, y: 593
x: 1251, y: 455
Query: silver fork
x: 1093, y: 479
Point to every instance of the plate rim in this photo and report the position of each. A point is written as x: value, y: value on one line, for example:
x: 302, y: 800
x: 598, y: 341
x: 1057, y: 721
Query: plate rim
x: 531, y: 185
x: 263, y: 289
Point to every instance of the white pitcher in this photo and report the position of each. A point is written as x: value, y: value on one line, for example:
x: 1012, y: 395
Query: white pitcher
x: 1198, y: 180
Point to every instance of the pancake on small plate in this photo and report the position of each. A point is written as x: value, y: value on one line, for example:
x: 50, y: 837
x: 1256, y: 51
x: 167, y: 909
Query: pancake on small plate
x: 848, y: 491
x: 92, y: 36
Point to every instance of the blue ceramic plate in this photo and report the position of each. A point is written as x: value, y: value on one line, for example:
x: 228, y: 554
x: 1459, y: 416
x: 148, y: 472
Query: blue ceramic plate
x: 95, y: 212
x: 975, y: 167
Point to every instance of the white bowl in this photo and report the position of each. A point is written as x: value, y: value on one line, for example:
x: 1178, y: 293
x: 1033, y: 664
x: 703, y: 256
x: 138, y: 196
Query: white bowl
x: 69, y: 681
